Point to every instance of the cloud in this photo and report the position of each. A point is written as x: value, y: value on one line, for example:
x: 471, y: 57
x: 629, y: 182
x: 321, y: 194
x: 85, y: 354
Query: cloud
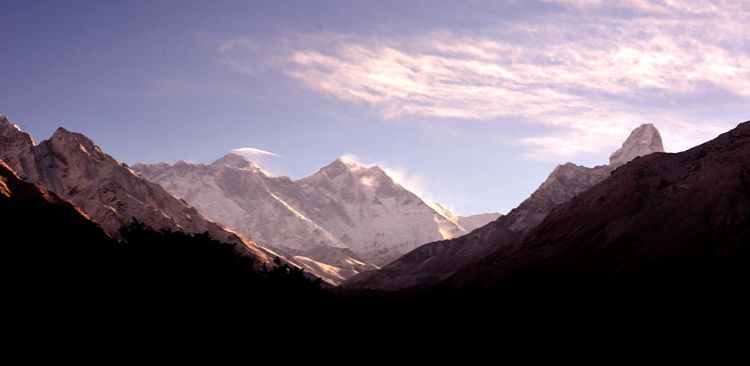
x: 251, y: 152
x: 590, y: 74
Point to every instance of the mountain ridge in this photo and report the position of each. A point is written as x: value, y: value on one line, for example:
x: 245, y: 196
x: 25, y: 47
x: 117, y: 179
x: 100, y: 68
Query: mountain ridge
x: 71, y: 165
x: 667, y: 225
x: 346, y: 208
x: 418, y: 269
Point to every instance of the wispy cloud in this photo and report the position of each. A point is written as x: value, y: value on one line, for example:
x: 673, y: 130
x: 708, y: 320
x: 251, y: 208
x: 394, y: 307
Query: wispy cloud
x: 591, y: 73
x: 251, y: 152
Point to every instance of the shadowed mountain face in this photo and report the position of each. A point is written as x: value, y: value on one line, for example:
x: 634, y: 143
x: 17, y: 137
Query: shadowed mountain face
x: 58, y: 264
x: 434, y: 262
x: 35, y: 221
x: 24, y: 205
x: 72, y: 166
x: 664, y: 226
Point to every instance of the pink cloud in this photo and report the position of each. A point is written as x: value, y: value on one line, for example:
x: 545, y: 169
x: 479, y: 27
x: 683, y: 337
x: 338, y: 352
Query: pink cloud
x: 577, y: 72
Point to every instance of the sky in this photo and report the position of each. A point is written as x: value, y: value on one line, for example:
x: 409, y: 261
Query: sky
x: 468, y: 103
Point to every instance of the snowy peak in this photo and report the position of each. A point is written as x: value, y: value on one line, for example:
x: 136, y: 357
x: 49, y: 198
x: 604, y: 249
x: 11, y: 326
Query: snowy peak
x: 343, y: 206
x: 353, y: 181
x: 269, y: 210
x: 339, y: 167
x: 76, y: 144
x: 233, y: 160
x: 642, y: 141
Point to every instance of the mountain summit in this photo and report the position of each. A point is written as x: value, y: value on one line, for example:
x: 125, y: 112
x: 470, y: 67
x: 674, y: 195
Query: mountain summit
x: 642, y: 141
x: 235, y: 161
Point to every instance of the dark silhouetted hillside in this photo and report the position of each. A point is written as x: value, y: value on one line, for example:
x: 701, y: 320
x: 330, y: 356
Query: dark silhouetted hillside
x: 667, y: 229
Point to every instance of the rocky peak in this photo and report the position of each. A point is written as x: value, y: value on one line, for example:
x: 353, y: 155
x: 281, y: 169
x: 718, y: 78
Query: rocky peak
x: 642, y: 141
x: 10, y: 131
x: 74, y: 144
x: 343, y: 166
x: 338, y: 167
x: 16, y: 148
x: 234, y: 161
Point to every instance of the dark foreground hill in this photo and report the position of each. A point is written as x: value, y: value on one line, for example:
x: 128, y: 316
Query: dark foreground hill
x: 59, y: 265
x: 666, y: 229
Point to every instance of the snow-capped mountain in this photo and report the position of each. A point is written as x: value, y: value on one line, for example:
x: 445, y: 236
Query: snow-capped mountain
x: 72, y: 166
x: 433, y: 262
x: 346, y: 217
x: 237, y: 193
x: 370, y: 213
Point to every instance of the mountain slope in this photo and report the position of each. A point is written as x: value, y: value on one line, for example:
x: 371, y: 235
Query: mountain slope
x: 72, y: 166
x: 46, y: 241
x: 433, y: 262
x: 344, y: 219
x: 370, y: 213
x: 24, y: 205
x: 237, y: 193
x: 660, y: 226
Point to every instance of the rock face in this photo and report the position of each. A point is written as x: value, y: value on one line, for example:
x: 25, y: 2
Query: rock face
x: 72, y: 166
x: 642, y: 141
x: 565, y: 182
x: 433, y: 262
x: 663, y: 226
x: 344, y: 219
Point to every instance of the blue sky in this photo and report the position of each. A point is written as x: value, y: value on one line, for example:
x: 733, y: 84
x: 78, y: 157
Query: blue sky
x: 470, y: 103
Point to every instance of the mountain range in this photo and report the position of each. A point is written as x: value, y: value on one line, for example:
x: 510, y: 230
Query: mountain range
x: 342, y: 220
x: 649, y: 227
